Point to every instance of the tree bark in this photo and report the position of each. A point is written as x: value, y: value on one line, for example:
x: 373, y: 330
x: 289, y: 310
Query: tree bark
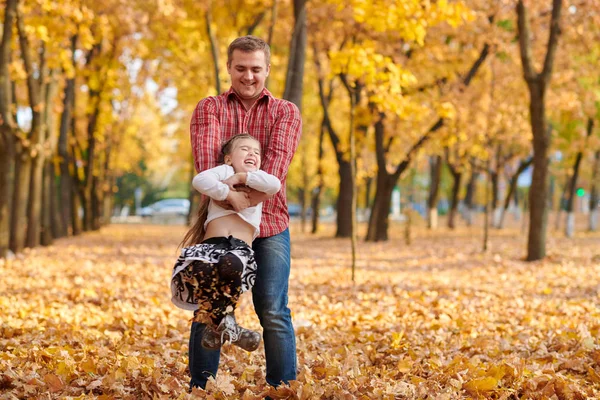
x: 457, y: 177
x: 570, y: 223
x: 66, y: 182
x: 316, y: 198
x: 47, y: 206
x: 379, y: 219
x: 18, y: 228
x: 34, y: 156
x: 7, y: 128
x: 344, y: 201
x: 594, y: 195
x: 469, y: 197
x: 295, y: 70
x: 512, y: 188
x: 213, y: 47
x: 435, y: 169
x: 537, y: 84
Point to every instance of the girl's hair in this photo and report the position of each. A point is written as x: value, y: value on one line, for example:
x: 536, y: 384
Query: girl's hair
x: 196, y: 233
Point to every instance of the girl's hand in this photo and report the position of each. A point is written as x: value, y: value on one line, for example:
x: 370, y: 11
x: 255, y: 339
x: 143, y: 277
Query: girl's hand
x: 235, y: 179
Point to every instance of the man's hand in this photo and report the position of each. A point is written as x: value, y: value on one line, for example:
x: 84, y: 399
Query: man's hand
x: 238, y: 200
x: 255, y: 197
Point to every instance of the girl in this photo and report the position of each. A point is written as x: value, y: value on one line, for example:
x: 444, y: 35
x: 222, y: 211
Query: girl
x: 218, y: 265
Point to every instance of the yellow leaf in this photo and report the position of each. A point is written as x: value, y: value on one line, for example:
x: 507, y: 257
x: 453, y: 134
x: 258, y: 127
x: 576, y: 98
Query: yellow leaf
x: 405, y: 366
x: 88, y: 366
x: 481, y: 385
x: 396, y: 339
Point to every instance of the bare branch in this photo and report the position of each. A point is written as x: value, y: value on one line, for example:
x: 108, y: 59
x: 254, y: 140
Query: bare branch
x: 552, y: 40
x: 524, y: 42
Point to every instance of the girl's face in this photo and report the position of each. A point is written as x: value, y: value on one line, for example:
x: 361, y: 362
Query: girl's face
x: 244, y: 155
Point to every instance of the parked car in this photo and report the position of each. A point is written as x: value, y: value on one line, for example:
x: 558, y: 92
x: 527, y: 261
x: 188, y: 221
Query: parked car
x: 167, y: 207
x: 295, y: 210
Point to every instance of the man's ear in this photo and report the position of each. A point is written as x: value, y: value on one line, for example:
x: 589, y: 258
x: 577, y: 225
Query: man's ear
x: 268, y: 69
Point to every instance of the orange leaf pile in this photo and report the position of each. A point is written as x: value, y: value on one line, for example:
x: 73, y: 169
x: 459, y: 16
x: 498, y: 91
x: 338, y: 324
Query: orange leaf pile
x: 90, y: 317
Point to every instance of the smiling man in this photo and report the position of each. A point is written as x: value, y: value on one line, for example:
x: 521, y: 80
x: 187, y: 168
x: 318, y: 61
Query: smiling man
x: 249, y: 107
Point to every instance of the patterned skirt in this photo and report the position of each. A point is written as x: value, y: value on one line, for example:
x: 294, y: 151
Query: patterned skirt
x: 184, y: 283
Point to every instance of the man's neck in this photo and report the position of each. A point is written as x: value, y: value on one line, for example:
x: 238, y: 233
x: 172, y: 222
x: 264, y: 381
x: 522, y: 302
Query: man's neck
x: 248, y: 103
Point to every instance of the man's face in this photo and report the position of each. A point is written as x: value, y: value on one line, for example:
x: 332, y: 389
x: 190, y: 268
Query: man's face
x: 244, y: 156
x: 248, y: 73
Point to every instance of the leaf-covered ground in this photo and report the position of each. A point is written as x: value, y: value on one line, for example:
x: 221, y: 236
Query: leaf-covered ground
x: 90, y: 317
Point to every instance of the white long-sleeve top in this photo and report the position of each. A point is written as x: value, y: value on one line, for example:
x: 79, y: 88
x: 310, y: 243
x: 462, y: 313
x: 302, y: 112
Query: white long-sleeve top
x: 209, y: 183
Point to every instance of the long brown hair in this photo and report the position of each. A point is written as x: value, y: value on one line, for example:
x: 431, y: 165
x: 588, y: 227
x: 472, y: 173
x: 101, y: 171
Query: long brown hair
x: 196, y: 233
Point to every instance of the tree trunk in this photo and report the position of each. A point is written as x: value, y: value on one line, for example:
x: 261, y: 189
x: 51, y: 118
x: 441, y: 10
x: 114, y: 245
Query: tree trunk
x: 435, y: 169
x: 316, y: 198
x: 486, y: 213
x: 18, y: 229
x: 98, y: 202
x: 495, y: 183
x: 7, y: 129
x: 469, y: 196
x: 594, y: 195
x: 454, y: 201
x: 295, y: 70
x: 34, y: 206
x: 214, y: 47
x: 562, y: 204
x: 537, y: 83
x: 66, y: 182
x: 47, y: 206
x: 76, y: 197
x: 379, y: 219
x: 512, y: 189
x: 32, y: 156
x: 344, y: 201
x: 56, y: 222
x: 570, y: 223
x: 7, y: 182
x: 538, y: 198
x: 538, y: 194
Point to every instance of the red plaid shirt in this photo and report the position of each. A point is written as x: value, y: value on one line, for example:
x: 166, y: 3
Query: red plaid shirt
x: 274, y: 122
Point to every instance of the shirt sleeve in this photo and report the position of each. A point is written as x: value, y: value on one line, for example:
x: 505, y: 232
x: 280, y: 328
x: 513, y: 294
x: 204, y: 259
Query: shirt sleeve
x: 209, y: 182
x: 263, y: 182
x: 285, y: 136
x: 205, y: 134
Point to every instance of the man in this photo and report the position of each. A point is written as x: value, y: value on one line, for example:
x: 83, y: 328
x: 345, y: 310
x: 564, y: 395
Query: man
x: 249, y: 107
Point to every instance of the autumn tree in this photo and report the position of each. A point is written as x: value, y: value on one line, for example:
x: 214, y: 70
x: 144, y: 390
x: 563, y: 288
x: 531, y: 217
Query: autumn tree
x: 537, y: 82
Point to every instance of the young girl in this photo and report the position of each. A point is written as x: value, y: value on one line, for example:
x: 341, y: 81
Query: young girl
x: 218, y: 265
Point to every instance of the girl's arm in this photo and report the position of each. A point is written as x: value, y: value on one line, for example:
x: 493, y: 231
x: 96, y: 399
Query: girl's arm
x: 209, y: 182
x: 257, y: 180
x: 263, y: 182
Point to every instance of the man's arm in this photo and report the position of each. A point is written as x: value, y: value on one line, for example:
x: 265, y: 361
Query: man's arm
x: 285, y: 136
x: 205, y: 134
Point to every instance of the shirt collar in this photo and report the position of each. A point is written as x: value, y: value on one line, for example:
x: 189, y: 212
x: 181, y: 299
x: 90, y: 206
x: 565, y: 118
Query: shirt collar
x: 265, y: 93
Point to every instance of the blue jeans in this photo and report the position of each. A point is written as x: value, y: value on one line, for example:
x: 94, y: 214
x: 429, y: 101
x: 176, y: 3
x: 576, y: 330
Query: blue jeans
x: 270, y: 297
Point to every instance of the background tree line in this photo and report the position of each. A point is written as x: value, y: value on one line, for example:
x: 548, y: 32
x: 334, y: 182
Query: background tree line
x: 468, y: 93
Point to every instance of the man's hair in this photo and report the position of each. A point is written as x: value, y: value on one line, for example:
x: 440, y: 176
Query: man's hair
x: 249, y: 44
